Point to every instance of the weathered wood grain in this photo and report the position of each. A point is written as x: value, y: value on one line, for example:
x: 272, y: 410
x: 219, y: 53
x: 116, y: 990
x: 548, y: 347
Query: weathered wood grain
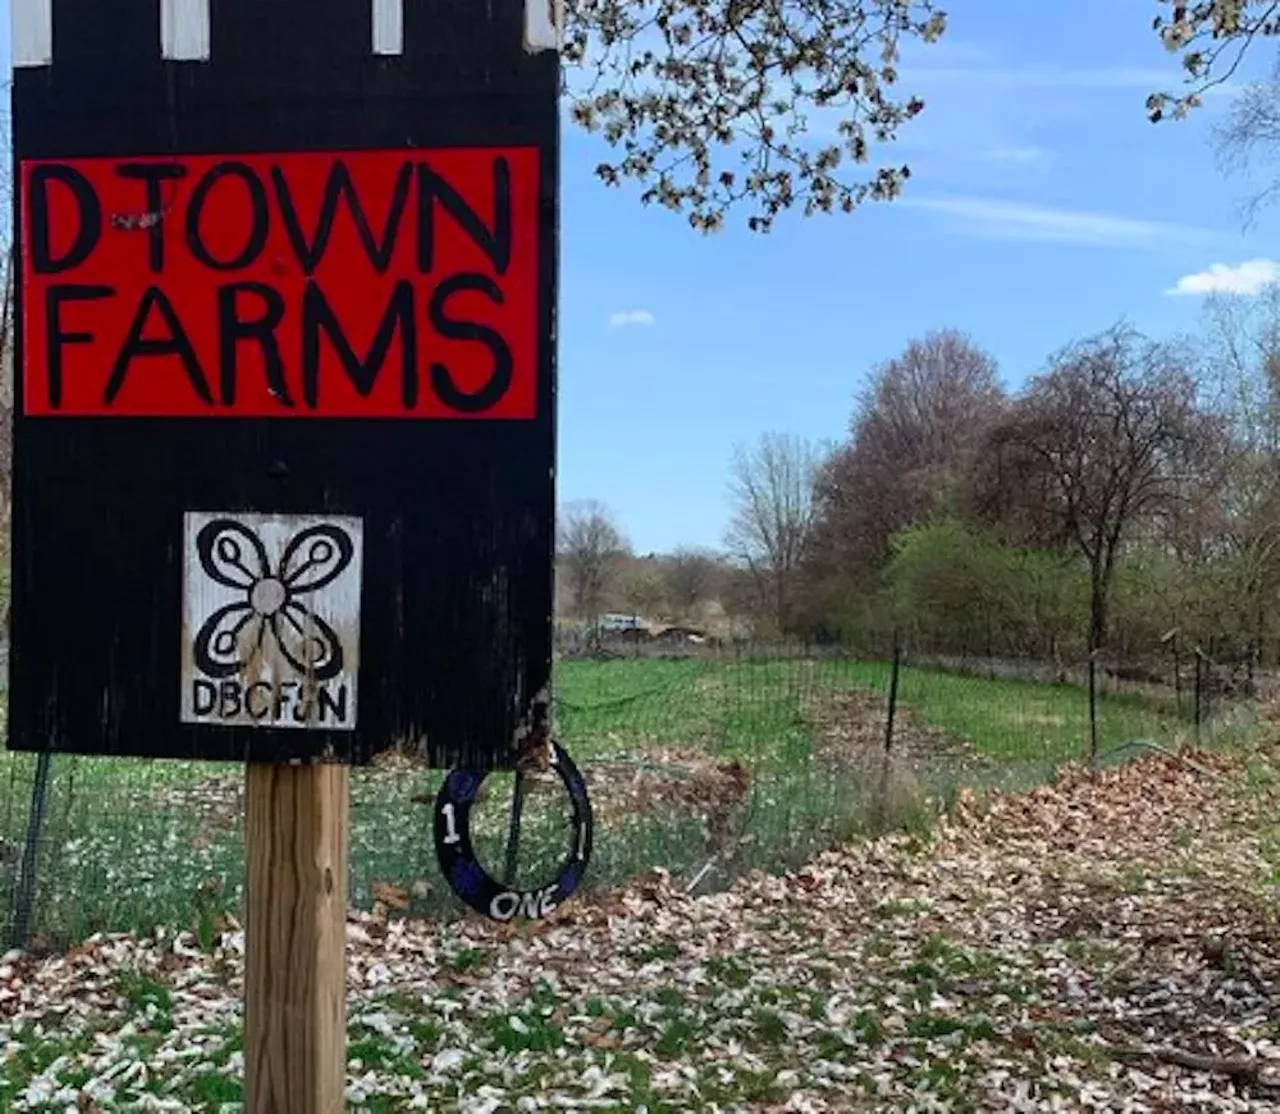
x: 295, y: 937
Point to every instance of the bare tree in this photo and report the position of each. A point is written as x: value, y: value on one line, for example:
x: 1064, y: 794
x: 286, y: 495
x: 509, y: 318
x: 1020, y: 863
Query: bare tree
x: 1242, y: 349
x: 917, y: 425
x: 773, y: 489
x: 689, y: 576
x: 591, y: 547
x: 641, y: 589
x: 1249, y: 134
x: 1111, y: 434
x: 740, y: 600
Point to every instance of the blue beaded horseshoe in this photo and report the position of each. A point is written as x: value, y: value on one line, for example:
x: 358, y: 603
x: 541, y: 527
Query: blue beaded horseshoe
x: 472, y: 883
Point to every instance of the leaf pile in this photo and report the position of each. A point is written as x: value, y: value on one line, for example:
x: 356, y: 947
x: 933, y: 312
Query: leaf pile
x: 1107, y: 942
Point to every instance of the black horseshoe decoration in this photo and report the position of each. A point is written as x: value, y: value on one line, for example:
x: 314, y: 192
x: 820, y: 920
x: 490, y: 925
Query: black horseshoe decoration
x: 472, y: 883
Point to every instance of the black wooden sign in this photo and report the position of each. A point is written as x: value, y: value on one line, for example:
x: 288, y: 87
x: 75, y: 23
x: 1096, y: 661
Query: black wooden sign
x: 284, y: 429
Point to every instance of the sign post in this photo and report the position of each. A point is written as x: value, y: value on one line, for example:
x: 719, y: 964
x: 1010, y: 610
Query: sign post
x: 283, y: 475
x: 295, y: 1034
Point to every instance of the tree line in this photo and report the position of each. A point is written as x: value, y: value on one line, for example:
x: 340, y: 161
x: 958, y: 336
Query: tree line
x: 1125, y: 497
x: 1077, y: 514
x: 597, y: 571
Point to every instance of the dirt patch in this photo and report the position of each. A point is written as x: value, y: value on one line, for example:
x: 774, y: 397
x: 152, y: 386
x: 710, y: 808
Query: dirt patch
x: 665, y: 781
x: 849, y: 731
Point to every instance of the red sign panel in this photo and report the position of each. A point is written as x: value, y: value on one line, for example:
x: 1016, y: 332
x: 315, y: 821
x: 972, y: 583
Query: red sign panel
x: 363, y: 284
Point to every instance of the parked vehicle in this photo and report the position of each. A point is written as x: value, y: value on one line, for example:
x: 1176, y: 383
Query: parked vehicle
x: 615, y: 623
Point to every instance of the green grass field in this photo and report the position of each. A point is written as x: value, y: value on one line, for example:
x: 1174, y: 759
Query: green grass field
x: 128, y: 845
x: 1017, y: 721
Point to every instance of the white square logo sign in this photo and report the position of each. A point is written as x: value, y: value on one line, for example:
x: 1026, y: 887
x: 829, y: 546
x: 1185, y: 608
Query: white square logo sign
x: 271, y: 620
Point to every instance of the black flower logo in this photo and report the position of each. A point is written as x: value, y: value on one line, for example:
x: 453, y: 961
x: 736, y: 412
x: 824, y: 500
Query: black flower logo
x: 273, y: 606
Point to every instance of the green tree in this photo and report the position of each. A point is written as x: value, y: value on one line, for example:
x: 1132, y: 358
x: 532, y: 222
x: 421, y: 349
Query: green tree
x: 961, y: 589
x: 945, y: 587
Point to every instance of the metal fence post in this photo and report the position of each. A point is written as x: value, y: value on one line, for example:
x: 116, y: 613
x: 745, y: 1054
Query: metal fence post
x: 1093, y: 708
x: 1199, y: 693
x: 25, y: 891
x: 893, y: 694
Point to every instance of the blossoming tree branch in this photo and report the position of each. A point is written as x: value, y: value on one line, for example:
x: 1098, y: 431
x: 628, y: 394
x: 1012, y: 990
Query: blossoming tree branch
x: 709, y: 105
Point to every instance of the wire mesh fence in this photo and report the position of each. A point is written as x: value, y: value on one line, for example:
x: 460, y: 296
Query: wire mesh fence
x: 704, y: 761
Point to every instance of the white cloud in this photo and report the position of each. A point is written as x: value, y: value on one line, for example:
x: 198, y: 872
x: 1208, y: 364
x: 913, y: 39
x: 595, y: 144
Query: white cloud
x: 623, y: 318
x: 1058, y: 77
x: 1047, y: 77
x: 943, y: 51
x: 1015, y: 153
x: 1249, y: 277
x: 996, y: 218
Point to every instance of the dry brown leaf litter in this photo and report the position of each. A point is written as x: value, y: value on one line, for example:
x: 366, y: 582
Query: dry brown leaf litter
x: 1108, y: 942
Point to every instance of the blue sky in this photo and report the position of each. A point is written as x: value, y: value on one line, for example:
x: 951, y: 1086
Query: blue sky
x: 1043, y: 206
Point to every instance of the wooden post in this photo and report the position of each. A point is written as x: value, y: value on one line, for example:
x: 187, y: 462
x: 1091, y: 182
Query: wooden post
x: 295, y: 939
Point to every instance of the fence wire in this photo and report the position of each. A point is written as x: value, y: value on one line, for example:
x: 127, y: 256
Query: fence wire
x: 701, y: 761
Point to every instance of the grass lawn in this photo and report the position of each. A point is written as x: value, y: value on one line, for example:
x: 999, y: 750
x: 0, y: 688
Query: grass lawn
x: 1017, y: 721
x: 749, y: 711
x: 130, y: 844
x: 754, y: 710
